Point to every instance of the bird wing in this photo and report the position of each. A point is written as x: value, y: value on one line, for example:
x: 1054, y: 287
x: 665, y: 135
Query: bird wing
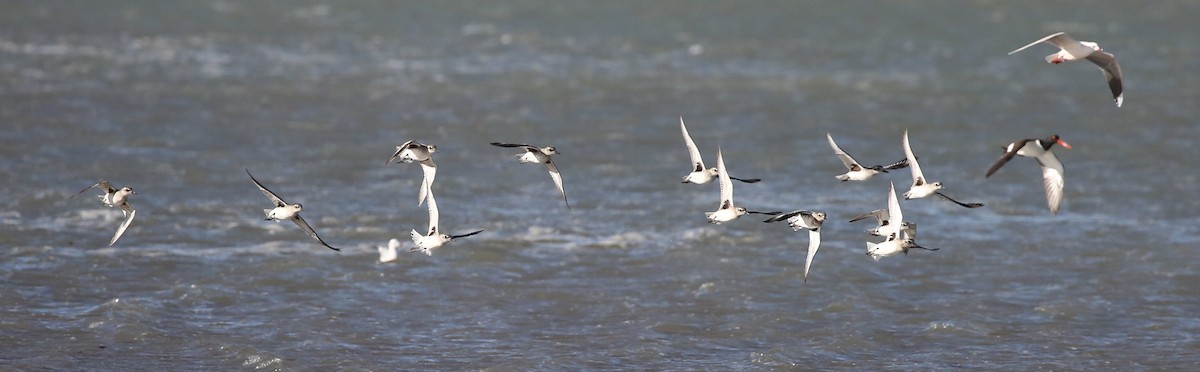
x: 129, y: 212
x: 1009, y: 153
x: 1052, y: 179
x: 1112, y: 72
x: 465, y: 235
x: 814, y: 243
x: 430, y: 171
x: 522, y: 145
x: 846, y: 159
x: 879, y: 214
x: 895, y: 216
x: 897, y: 165
x: 725, y: 183
x: 309, y: 230
x: 693, y: 152
x: 103, y: 185
x: 1052, y: 39
x: 557, y: 178
x: 912, y: 161
x: 433, y: 215
x: 270, y: 195
x: 399, y: 149
x: 785, y: 216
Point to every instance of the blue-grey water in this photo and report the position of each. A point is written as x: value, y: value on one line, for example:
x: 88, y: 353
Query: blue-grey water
x: 176, y: 98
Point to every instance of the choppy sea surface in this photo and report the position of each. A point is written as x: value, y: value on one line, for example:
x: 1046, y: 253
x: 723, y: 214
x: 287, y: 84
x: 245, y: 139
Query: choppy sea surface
x: 176, y: 99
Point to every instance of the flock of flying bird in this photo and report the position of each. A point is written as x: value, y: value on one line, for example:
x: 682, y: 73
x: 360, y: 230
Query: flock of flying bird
x: 899, y: 235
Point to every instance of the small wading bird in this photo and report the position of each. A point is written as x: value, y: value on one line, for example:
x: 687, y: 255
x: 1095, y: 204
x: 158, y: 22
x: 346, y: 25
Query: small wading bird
x: 433, y: 239
x: 895, y: 240
x: 701, y: 175
x: 856, y: 171
x: 1052, y: 169
x: 114, y: 197
x: 540, y: 155
x: 921, y: 187
x: 727, y: 210
x: 804, y: 220
x: 413, y: 151
x: 285, y: 211
x: 1074, y: 50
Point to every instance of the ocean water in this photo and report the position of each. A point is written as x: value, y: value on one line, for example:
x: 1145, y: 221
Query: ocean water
x: 176, y: 99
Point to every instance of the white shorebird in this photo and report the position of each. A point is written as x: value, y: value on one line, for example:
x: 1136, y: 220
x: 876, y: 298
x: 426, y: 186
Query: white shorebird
x: 413, y: 151
x: 727, y: 211
x: 896, y: 239
x: 1052, y: 169
x: 701, y: 175
x: 881, y: 218
x: 856, y: 171
x: 433, y: 238
x: 540, y: 155
x: 114, y: 197
x: 388, y: 253
x: 1074, y: 50
x: 804, y: 220
x: 285, y: 211
x: 921, y: 187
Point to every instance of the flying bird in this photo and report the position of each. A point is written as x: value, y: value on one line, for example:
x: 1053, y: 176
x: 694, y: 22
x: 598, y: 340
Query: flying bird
x: 727, y: 211
x: 856, y: 171
x: 413, y: 151
x: 701, y: 175
x: 540, y: 155
x: 285, y: 211
x: 433, y: 238
x: 1052, y: 169
x: 114, y: 197
x: 921, y: 187
x: 896, y: 240
x: 804, y: 220
x: 1074, y: 50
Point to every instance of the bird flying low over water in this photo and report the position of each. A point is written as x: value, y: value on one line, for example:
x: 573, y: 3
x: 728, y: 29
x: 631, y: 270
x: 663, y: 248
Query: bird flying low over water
x: 433, y: 238
x: 701, y: 175
x: 1052, y: 169
x: 413, y: 151
x: 540, y: 155
x: 727, y: 211
x: 896, y: 240
x: 856, y: 171
x: 1074, y: 50
x: 114, y: 197
x: 285, y: 211
x: 921, y: 187
x: 804, y: 220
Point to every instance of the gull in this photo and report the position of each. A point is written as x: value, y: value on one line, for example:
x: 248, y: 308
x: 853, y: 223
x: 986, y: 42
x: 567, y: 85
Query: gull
x: 804, y: 220
x: 1052, y: 169
x: 895, y: 241
x: 433, y: 239
x: 285, y: 211
x: 413, y: 151
x: 857, y: 172
x: 701, y: 175
x: 388, y: 253
x: 922, y: 188
x: 540, y: 155
x: 114, y: 197
x: 727, y: 210
x: 1074, y: 50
